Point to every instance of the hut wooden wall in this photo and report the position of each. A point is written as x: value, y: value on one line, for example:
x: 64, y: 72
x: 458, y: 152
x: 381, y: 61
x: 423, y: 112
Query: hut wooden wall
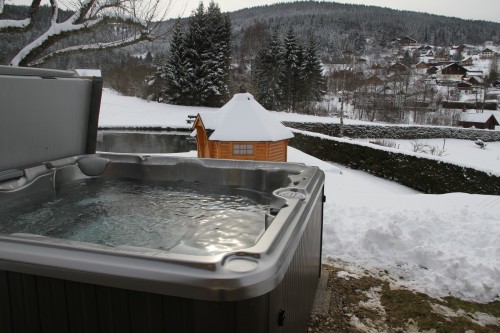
x: 263, y: 151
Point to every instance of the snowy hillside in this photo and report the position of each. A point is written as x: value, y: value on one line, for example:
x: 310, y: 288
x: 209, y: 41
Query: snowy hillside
x: 439, y: 244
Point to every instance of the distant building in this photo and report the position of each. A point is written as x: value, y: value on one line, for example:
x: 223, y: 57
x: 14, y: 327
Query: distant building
x: 464, y: 86
x: 398, y: 67
x: 422, y: 65
x: 487, y: 53
x: 453, y: 72
x: 467, y: 62
x: 479, y: 120
x: 243, y: 130
x: 374, y: 81
x: 407, y: 41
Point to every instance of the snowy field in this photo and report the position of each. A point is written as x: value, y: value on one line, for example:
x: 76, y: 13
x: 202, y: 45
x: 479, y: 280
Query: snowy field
x: 440, y: 244
x: 462, y: 152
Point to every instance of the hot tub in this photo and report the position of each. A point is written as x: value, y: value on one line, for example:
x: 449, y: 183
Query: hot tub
x: 91, y: 242
x: 266, y: 285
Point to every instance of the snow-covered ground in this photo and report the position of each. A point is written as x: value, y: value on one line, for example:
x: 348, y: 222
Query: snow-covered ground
x: 462, y: 152
x: 438, y: 244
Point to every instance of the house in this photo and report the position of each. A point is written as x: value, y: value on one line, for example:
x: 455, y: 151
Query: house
x: 422, y: 65
x: 442, y: 55
x: 467, y: 62
x: 242, y: 129
x: 398, y: 67
x: 487, y: 53
x: 453, y: 72
x: 432, y: 70
x: 479, y: 120
x: 475, y: 81
x: 407, y: 41
x: 374, y: 81
x: 464, y: 86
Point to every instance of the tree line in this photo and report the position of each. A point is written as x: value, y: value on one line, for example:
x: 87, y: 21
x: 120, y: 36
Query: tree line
x: 288, y: 76
x: 285, y: 75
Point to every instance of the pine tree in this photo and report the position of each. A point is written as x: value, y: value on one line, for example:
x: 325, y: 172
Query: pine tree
x: 292, y: 67
x: 313, y: 80
x: 196, y: 45
x: 268, y: 75
x: 216, y: 60
x: 155, y: 82
x: 206, y: 57
x: 174, y: 71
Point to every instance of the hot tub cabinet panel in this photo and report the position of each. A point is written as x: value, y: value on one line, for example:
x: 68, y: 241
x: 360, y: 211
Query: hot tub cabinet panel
x: 58, y: 285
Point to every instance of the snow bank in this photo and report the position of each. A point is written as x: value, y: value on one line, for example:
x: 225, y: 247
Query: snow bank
x: 437, y: 244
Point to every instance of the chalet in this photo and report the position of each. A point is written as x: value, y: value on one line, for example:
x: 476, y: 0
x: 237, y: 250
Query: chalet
x: 374, y: 81
x: 242, y: 129
x: 475, y: 81
x: 425, y: 48
x: 442, y: 55
x: 398, y: 67
x: 432, y: 70
x: 467, y: 62
x: 487, y: 53
x: 479, y: 120
x: 407, y: 41
x: 464, y: 86
x: 422, y: 65
x: 453, y: 72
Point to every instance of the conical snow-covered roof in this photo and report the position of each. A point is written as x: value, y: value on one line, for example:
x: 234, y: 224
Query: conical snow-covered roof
x: 244, y: 119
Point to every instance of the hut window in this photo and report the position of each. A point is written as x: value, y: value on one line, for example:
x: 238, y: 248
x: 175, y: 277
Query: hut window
x: 242, y: 149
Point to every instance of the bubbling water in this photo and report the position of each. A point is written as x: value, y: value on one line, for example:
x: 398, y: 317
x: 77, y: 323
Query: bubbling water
x: 178, y: 217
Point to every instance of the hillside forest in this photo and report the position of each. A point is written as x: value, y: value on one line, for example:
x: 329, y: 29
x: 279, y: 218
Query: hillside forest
x: 324, y: 58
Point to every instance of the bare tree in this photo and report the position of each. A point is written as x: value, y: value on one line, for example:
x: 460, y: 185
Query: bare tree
x: 128, y: 22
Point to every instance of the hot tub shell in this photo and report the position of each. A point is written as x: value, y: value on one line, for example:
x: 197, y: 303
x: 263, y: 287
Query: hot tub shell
x: 56, y: 285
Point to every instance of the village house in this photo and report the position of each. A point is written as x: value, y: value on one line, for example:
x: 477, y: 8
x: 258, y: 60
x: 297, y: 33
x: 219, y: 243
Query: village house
x: 467, y: 62
x: 487, y: 53
x: 398, y: 67
x: 422, y: 65
x: 407, y: 41
x: 475, y: 80
x: 442, y: 55
x: 374, y: 81
x: 464, y: 86
x: 242, y: 129
x: 479, y: 120
x: 453, y: 72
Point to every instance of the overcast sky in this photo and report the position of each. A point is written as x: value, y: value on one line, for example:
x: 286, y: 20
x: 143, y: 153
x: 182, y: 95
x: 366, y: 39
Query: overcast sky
x: 488, y: 10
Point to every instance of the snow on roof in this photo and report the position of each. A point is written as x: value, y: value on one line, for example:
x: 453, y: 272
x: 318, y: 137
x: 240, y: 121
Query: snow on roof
x: 88, y: 72
x: 210, y: 119
x: 476, y: 117
x: 244, y: 119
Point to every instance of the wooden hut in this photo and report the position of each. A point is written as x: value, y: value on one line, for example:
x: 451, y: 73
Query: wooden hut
x: 243, y: 130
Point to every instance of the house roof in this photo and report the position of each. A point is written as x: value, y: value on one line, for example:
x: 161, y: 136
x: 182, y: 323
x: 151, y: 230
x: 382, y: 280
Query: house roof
x: 487, y: 50
x: 476, y: 117
x: 244, y: 119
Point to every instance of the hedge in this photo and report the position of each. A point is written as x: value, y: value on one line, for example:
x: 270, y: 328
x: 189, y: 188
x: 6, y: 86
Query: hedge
x: 423, y: 174
x: 397, y: 131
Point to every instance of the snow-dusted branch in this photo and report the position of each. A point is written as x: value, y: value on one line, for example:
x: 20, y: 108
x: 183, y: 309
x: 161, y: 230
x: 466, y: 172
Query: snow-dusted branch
x: 89, y: 16
x: 143, y: 36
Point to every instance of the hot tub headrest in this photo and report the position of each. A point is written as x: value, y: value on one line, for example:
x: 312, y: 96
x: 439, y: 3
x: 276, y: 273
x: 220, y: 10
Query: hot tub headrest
x: 92, y: 165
